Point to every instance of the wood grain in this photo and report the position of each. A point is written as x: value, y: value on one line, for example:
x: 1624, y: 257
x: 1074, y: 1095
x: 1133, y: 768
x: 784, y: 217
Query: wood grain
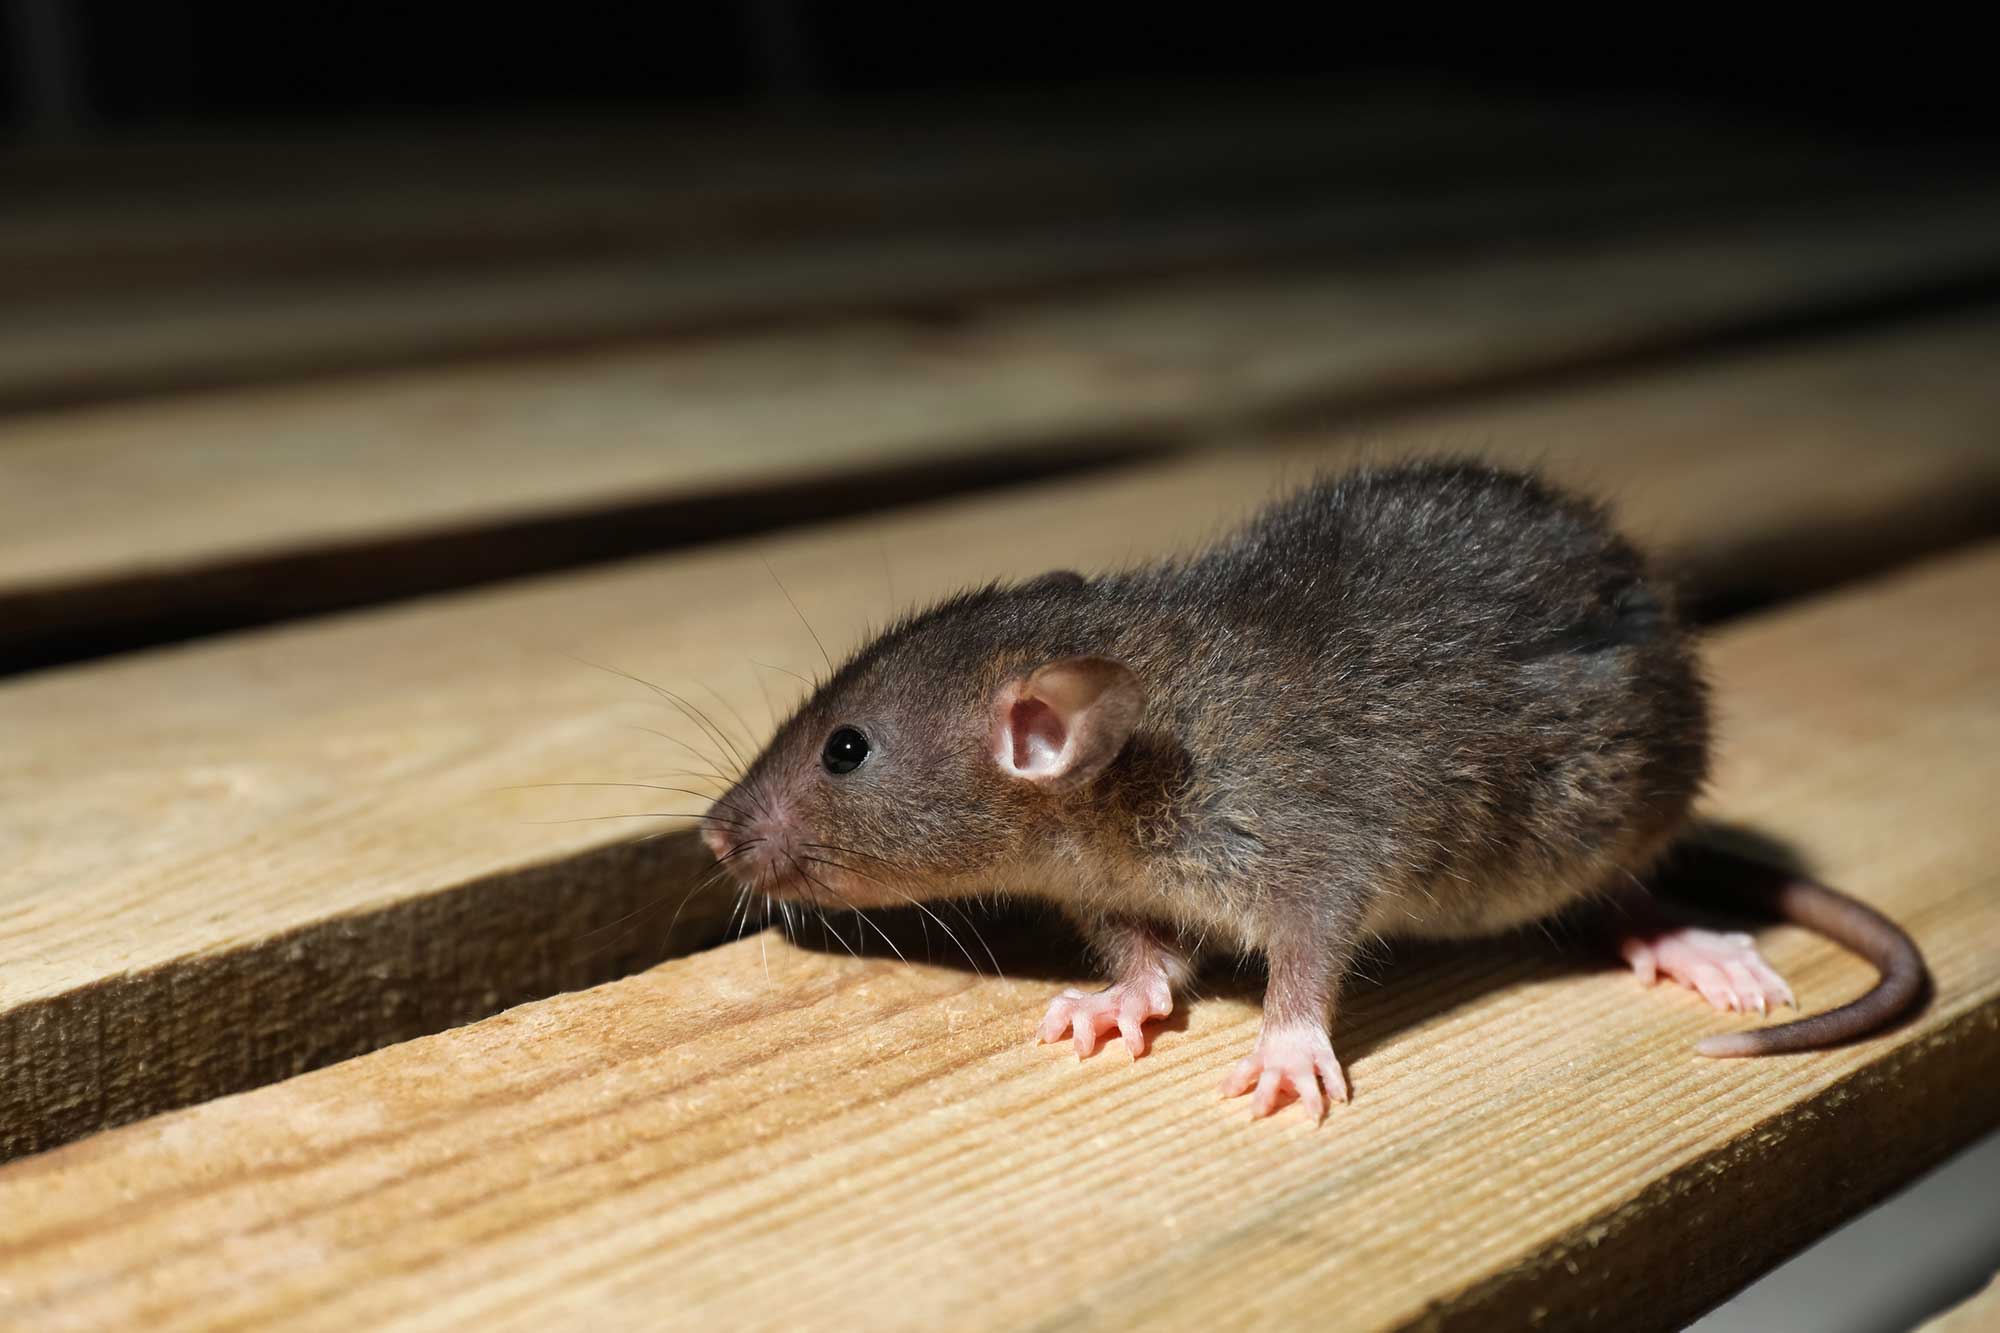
x: 135, y: 523
x: 765, y: 1135
x: 229, y: 862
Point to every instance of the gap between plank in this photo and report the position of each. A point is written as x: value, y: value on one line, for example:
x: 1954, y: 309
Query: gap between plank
x: 72, y: 622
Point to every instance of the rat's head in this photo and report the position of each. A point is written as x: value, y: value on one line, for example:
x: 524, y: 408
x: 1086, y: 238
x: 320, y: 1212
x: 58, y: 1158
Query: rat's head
x: 931, y: 762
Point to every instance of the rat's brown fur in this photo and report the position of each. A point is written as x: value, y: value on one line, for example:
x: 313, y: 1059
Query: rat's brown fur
x: 1434, y: 700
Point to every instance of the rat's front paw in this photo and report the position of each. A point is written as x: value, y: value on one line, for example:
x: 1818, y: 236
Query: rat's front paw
x: 1295, y: 1060
x: 1126, y: 1006
x: 1726, y: 970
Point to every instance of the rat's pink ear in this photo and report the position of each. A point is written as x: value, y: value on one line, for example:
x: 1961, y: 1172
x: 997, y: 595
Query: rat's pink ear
x: 1061, y: 725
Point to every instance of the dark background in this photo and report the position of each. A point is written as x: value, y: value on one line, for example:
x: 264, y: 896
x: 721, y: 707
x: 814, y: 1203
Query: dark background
x: 75, y: 67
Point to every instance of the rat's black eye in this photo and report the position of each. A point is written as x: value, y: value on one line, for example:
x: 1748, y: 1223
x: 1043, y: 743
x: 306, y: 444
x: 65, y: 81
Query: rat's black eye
x: 844, y: 751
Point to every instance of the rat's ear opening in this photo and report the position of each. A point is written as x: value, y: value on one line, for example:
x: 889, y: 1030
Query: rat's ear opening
x: 1061, y: 725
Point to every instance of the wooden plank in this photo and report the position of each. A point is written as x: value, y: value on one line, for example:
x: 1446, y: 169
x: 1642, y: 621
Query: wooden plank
x: 1532, y: 1141
x: 66, y: 349
x: 136, y: 523
x: 229, y: 862
x: 1903, y: 1261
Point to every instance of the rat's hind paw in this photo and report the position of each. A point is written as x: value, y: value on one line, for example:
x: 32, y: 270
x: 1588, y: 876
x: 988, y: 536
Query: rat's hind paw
x: 1126, y: 1006
x: 1296, y: 1060
x: 1727, y: 970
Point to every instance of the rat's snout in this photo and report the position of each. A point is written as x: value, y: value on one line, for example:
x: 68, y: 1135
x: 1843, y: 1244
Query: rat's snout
x: 750, y: 836
x: 732, y: 839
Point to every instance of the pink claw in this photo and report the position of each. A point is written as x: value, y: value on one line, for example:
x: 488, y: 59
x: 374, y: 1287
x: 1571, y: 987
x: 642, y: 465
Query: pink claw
x: 1726, y: 970
x: 1296, y: 1060
x: 1127, y: 1006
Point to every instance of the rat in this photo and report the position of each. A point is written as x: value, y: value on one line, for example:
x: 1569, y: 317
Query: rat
x: 1435, y: 700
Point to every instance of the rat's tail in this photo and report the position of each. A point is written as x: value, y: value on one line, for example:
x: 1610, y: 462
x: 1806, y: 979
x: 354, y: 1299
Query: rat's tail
x: 1845, y: 921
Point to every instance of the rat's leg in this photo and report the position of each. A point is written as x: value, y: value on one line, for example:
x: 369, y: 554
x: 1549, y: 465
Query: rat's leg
x: 1148, y: 969
x: 1294, y: 1052
x: 1723, y: 967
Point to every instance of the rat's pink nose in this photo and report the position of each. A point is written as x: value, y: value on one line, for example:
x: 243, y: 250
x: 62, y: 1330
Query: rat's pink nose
x: 718, y: 841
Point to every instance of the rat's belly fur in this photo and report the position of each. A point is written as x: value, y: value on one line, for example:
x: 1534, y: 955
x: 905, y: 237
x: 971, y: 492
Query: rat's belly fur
x: 1508, y: 898
x: 1247, y: 905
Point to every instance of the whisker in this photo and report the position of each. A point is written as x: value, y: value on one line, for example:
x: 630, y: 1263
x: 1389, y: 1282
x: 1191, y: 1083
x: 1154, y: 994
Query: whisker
x: 723, y: 778
x: 704, y: 721
x: 620, y: 672
x: 642, y: 786
x: 826, y: 928
x: 727, y: 749
x: 801, y: 615
x: 859, y: 916
x: 676, y: 740
x: 708, y: 773
x: 824, y: 924
x: 749, y: 735
x: 716, y: 802
x: 642, y: 814
x: 711, y: 877
x: 960, y: 911
x: 742, y: 906
x: 770, y: 709
x: 714, y: 873
x: 973, y: 926
x: 849, y: 851
x: 683, y: 773
x: 773, y: 666
x: 763, y: 936
x: 921, y: 906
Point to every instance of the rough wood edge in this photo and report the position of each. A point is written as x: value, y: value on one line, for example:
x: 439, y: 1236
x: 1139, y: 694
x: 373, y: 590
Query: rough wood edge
x: 1899, y: 1116
x: 570, y: 924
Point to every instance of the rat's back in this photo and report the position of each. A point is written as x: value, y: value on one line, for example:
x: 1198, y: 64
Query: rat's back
x: 1446, y: 674
x: 1451, y: 554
